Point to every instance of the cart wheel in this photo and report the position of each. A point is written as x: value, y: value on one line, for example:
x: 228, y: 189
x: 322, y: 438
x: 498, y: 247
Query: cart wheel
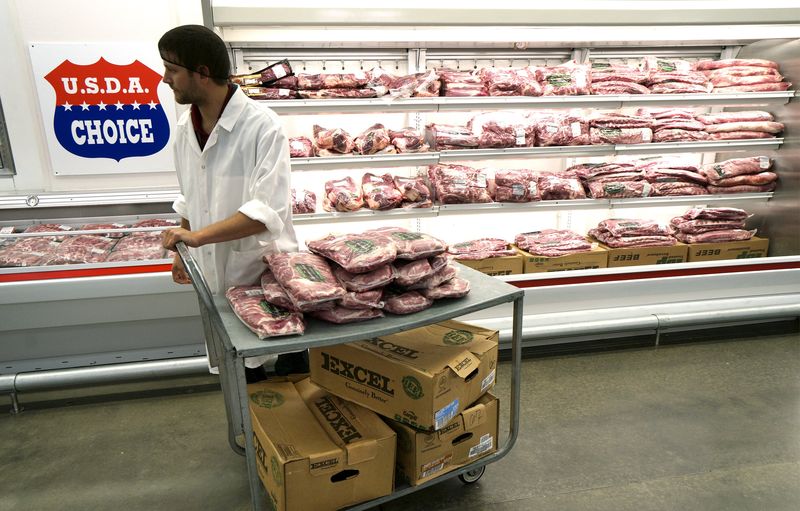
x: 472, y: 476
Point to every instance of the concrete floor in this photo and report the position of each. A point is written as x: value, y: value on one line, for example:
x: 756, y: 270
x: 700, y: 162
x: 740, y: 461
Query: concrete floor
x: 703, y: 426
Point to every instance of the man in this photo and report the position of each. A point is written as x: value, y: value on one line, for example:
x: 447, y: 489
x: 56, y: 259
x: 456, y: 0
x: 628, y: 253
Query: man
x: 232, y: 162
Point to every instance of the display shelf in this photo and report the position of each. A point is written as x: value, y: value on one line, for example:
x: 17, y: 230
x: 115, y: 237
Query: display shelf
x: 526, y: 152
x: 763, y: 144
x: 388, y: 104
x: 359, y: 161
x: 363, y: 215
x: 76, y: 198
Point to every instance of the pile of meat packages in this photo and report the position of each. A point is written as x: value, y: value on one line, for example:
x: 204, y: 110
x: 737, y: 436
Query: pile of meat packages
x: 276, y: 81
x: 711, y: 225
x: 483, y: 248
x: 376, y: 139
x: 742, y: 75
x: 740, y: 125
x: 60, y: 249
x: 631, y: 232
x: 376, y: 192
x: 741, y: 175
x: 552, y: 242
x: 348, y: 278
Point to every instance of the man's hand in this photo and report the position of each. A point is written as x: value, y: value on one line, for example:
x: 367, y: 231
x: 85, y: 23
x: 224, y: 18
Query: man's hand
x: 172, y: 236
x: 179, y: 274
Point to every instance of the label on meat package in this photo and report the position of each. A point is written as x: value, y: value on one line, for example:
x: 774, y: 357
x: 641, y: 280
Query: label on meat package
x: 520, y: 134
x: 7, y: 230
x: 445, y: 415
x: 576, y: 129
x: 407, y: 236
x: 517, y: 190
x: 488, y: 381
x: 309, y: 272
x: 763, y: 162
x: 480, y: 180
x: 559, y: 79
x: 253, y: 292
x: 360, y: 246
x: 666, y: 66
x: 646, y: 189
x: 273, y: 310
x: 279, y: 72
x: 486, y: 443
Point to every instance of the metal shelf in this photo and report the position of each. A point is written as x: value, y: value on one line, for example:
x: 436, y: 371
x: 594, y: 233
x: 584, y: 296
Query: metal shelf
x: 526, y: 152
x: 388, y: 104
x: 364, y: 161
x: 363, y: 215
x: 50, y: 200
x: 765, y: 144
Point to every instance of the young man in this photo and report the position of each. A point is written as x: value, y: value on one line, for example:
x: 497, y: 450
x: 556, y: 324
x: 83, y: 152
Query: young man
x: 232, y: 160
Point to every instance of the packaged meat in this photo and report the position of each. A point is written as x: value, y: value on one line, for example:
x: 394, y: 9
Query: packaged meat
x: 26, y: 252
x: 678, y: 188
x: 618, y: 87
x: 138, y: 247
x: 552, y: 242
x: 620, y: 120
x: 454, y: 288
x: 736, y: 167
x: 356, y: 253
x: 740, y: 71
x: 653, y: 64
x: 555, y: 187
x: 269, y: 93
x: 287, y: 82
x: 602, y: 72
x: 691, y: 77
x: 740, y: 135
x: 155, y: 222
x: 411, y: 272
x: 762, y: 178
x: 620, y: 189
x: 439, y: 261
x: 716, y: 236
x: 516, y: 185
x: 718, y: 64
x: 336, y: 140
x: 503, y: 129
x: 360, y: 282
x: 511, y: 81
x: 306, y: 278
x: 441, y: 136
x: 436, y: 279
x: 715, y: 214
x: 274, y: 293
x: 305, y: 204
x: 379, y: 192
x: 620, y: 135
x: 408, y: 140
x: 733, y: 81
x: 363, y: 300
x: 379, y: 76
x: 758, y: 87
x: 341, y: 315
x: 339, y: 93
x: 425, y: 84
x: 562, y: 129
x: 342, y: 195
x: 742, y: 188
x: 332, y: 81
x: 631, y: 227
x: 407, y: 302
x: 265, y: 76
x: 372, y: 140
x: 679, y: 135
x: 49, y: 228
x: 761, y: 126
x: 301, y: 147
x: 101, y: 227
x: 261, y: 317
x: 80, y: 249
x: 568, y: 79
x: 416, y: 193
x: 700, y: 225
x: 679, y: 88
x: 728, y: 117
x: 412, y: 245
x: 482, y: 248
x: 459, y: 184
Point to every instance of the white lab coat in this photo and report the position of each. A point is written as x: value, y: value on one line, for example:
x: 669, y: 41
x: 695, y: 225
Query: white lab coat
x: 243, y: 167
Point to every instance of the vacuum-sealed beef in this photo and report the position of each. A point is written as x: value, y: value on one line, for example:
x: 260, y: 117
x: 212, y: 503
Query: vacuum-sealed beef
x: 511, y: 81
x: 138, y: 247
x: 412, y: 245
x: 759, y: 87
x: 482, y: 248
x: 411, y: 272
x: 744, y: 116
x: 716, y: 236
x: 516, y: 185
x: 339, y: 93
x: 305, y: 204
x: 715, y: 214
x: 702, y: 65
x: 742, y: 188
x: 762, y: 126
x: 306, y: 278
x: 566, y: 129
x: 356, y: 253
x: 269, y: 93
x: 407, y: 302
x: 332, y: 81
x: 372, y: 140
x: 416, y: 193
x: 448, y: 136
x: 568, y: 79
x: 408, y: 140
x: 27, y: 251
x: 363, y: 300
x: 274, y: 293
x: 360, y: 282
x: 701, y: 225
x: 736, y: 167
x: 336, y: 140
x: 380, y: 192
x: 49, y: 228
x: 437, y: 279
x: 760, y: 179
x: 552, y: 242
x: 454, y: 288
x: 555, y: 187
x: 101, y: 227
x: 619, y: 189
x: 341, y: 315
x: 631, y: 227
x: 261, y: 317
x: 620, y: 135
x: 80, y: 249
x: 459, y: 184
x: 503, y: 129
x: 342, y: 195
x: 301, y: 147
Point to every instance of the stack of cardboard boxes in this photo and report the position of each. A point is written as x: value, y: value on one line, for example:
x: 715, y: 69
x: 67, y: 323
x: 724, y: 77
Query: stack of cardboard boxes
x: 321, y: 443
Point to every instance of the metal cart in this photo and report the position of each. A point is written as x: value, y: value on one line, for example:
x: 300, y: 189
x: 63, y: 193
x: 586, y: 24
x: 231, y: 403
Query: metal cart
x: 229, y: 342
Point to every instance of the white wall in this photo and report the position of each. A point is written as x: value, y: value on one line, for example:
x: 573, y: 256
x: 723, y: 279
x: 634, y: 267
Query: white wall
x: 71, y: 21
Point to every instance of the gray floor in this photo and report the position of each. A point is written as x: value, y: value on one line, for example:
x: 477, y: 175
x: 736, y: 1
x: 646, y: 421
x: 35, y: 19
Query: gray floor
x: 703, y: 426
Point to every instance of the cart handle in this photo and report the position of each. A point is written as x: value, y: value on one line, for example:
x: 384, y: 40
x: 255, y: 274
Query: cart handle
x: 204, y: 295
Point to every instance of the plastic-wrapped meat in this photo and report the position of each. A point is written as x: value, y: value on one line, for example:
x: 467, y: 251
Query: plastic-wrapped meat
x: 511, y: 81
x: 138, y: 247
x: 562, y: 130
x: 275, y: 294
x: 603, y: 72
x: 261, y: 317
x: 739, y: 135
x: 342, y: 195
x: 664, y: 174
x: 332, y: 81
x: 736, y: 167
x: 341, y: 315
x: 568, y: 79
x: 436, y: 279
x: 759, y: 87
x: 380, y: 192
x: 416, y: 193
x: 763, y: 126
x: 652, y: 64
x: 269, y: 93
x: 336, y: 140
x: 102, y: 227
x: 408, y: 140
x: 455, y: 75
x: 287, y: 82
x: 459, y: 184
x: 503, y: 129
x: 438, y: 262
x: 482, y: 248
x: 762, y: 178
x: 306, y: 204
x: 306, y: 278
x: 715, y: 214
x: 425, y: 84
x: 454, y: 288
x: 619, y: 87
x: 691, y: 77
x: 80, y: 249
x: 301, y: 147
x: 716, y: 236
x: 679, y: 88
x: 677, y: 124
x: 461, y: 83
x: 677, y: 135
x: 731, y: 117
x: 411, y: 272
x: 363, y: 300
x: 381, y: 77
x: 516, y: 185
x: 442, y: 136
x: 742, y: 188
x: 733, y: 81
x: 619, y: 120
x: 27, y: 251
x: 588, y: 171
x: 619, y: 227
x: 49, y: 228
x: 267, y: 75
x: 340, y: 93
x: 702, y: 65
x: 361, y: 282
x: 462, y: 90
x: 740, y: 71
x: 554, y: 187
x: 619, y: 189
x: 678, y: 188
x: 666, y: 113
x: 632, y: 241
x: 155, y: 222
x: 372, y: 140
x: 407, y: 302
x: 700, y: 225
x: 552, y: 242
x: 621, y: 135
x: 412, y: 245
x: 356, y: 253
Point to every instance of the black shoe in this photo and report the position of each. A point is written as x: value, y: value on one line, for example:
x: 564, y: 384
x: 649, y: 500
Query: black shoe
x: 292, y: 363
x: 255, y: 374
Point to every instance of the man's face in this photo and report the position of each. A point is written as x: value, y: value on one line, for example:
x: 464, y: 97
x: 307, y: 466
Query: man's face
x: 184, y: 83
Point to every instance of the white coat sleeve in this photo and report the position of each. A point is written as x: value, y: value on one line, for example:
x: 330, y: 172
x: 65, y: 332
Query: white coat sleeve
x: 269, y: 186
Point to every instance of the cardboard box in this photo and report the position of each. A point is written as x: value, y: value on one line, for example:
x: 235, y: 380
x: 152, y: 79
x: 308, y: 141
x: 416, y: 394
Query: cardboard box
x: 595, y: 258
x: 470, y: 436
x: 422, y: 377
x: 506, y: 265
x: 317, y: 451
x: 754, y: 247
x: 635, y: 256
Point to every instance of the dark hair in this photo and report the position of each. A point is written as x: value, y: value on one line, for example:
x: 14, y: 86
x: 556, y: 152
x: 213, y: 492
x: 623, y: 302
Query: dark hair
x: 192, y: 46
